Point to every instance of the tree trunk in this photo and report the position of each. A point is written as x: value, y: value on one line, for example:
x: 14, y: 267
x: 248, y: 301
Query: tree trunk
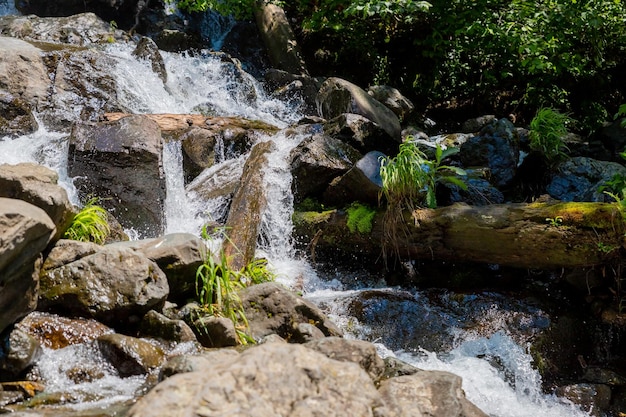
x: 169, y: 122
x: 536, y: 235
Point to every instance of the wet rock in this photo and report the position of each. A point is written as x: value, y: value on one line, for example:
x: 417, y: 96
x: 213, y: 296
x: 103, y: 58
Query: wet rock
x: 18, y: 352
x: 395, y: 367
x: 23, y: 74
x: 579, y: 178
x: 432, y: 393
x: 121, y: 163
x: 302, y: 380
x: 287, y: 86
x: 56, y: 332
x: 216, y: 332
x: 148, y: 50
x: 192, y: 363
x: 219, y: 181
x: 393, y: 100
x: 358, y: 351
x: 81, y: 29
x: 246, y: 209
x: 271, y: 308
x: 597, y: 375
x: 495, y: 147
x: 25, y: 231
x: 114, y: 285
x: 178, y: 255
x: 158, y: 326
x: 306, y: 332
x: 129, y: 355
x: 476, y: 124
x: 479, y: 192
x: 360, y: 132
x: 337, y: 96
x: 593, y: 398
x: 316, y: 161
x: 16, y: 116
x: 361, y: 183
x: 37, y: 185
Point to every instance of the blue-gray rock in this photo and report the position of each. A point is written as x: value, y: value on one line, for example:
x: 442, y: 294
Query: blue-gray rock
x: 579, y: 178
x: 361, y: 183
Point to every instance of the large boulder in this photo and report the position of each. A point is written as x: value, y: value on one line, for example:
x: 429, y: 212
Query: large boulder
x: 358, y: 351
x: 579, y: 179
x: 271, y: 380
x: 272, y: 309
x: 23, y: 74
x: 361, y: 183
x: 178, y: 255
x: 121, y: 162
x: 246, y: 209
x: 360, y: 132
x: 116, y: 286
x: 37, y: 185
x: 149, y: 51
x: 393, y: 99
x: 316, y: 161
x: 337, y: 96
x: 25, y: 231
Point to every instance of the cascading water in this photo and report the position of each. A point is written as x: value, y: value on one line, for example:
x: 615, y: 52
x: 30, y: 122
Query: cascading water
x: 506, y: 387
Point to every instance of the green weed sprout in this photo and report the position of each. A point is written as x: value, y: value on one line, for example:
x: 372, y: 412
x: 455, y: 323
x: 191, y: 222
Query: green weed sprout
x: 90, y: 224
x: 547, y: 130
x: 360, y: 218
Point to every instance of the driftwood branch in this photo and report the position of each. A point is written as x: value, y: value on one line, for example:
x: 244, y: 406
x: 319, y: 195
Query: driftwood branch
x: 537, y: 235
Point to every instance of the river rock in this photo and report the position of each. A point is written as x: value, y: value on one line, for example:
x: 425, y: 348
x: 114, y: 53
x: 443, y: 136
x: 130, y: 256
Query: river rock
x: 361, y: 183
x: 246, y: 209
x: 216, y: 332
x: 579, y: 178
x: 495, y: 147
x: 270, y: 308
x: 158, y: 326
x: 81, y: 29
x: 273, y: 379
x: 480, y: 192
x: 114, y: 285
x: 360, y: 132
x: 148, y: 50
x: 37, y: 185
x: 56, y: 332
x: 25, y: 231
x: 393, y: 100
x: 431, y: 393
x: 178, y: 255
x: 121, y: 163
x: 285, y: 85
x: 219, y: 181
x: 16, y: 116
x: 476, y: 124
x: 129, y: 355
x: 23, y: 74
x: 593, y: 398
x: 337, y: 96
x: 316, y: 161
x: 17, y: 353
x: 192, y: 363
x: 358, y: 351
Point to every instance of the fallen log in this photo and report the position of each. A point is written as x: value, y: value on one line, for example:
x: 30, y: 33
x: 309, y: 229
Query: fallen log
x: 536, y: 235
x: 169, y: 122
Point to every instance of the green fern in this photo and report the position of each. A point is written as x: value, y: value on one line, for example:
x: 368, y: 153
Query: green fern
x: 90, y: 224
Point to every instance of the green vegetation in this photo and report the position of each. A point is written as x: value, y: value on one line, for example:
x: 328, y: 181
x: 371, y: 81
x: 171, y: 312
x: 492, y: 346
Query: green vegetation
x: 547, y: 130
x: 555, y: 221
x: 217, y: 286
x: 360, y: 218
x: 90, y: 224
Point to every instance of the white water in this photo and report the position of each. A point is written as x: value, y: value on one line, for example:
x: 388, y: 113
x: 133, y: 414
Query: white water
x: 203, y: 82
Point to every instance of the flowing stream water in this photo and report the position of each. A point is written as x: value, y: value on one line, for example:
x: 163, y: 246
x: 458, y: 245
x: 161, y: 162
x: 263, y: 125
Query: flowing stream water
x: 497, y: 370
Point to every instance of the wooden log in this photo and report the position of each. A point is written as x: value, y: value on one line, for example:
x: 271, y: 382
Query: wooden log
x: 536, y: 235
x: 169, y: 122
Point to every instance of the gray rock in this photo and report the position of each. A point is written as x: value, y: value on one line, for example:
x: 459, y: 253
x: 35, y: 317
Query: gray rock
x: 148, y: 50
x: 193, y: 363
x: 17, y: 353
x: 476, y: 124
x: 360, y: 132
x: 114, y: 285
x: 25, y: 231
x: 16, y: 116
x: 219, y: 181
x: 361, y: 183
x: 158, y: 326
x: 579, y: 178
x: 393, y: 99
x: 216, y: 332
x: 288, y: 86
x: 306, y: 332
x: 270, y: 308
x: 23, y: 74
x: 427, y: 393
x: 121, y: 163
x: 129, y: 355
x: 269, y: 380
x: 178, y: 255
x: 316, y: 161
x: 337, y: 96
x: 37, y: 185
x: 358, y: 351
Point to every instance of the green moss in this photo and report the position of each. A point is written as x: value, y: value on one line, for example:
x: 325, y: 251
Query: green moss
x: 587, y: 215
x: 311, y: 217
x: 360, y: 218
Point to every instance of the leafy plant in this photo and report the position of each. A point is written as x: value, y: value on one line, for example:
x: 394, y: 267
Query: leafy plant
x: 360, y: 218
x: 90, y: 224
x: 547, y: 130
x: 555, y: 221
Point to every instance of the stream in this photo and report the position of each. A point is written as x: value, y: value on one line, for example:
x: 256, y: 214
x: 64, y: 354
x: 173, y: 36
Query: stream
x: 483, y: 337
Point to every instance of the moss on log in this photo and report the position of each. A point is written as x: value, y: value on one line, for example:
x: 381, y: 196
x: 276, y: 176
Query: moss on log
x: 537, y: 235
